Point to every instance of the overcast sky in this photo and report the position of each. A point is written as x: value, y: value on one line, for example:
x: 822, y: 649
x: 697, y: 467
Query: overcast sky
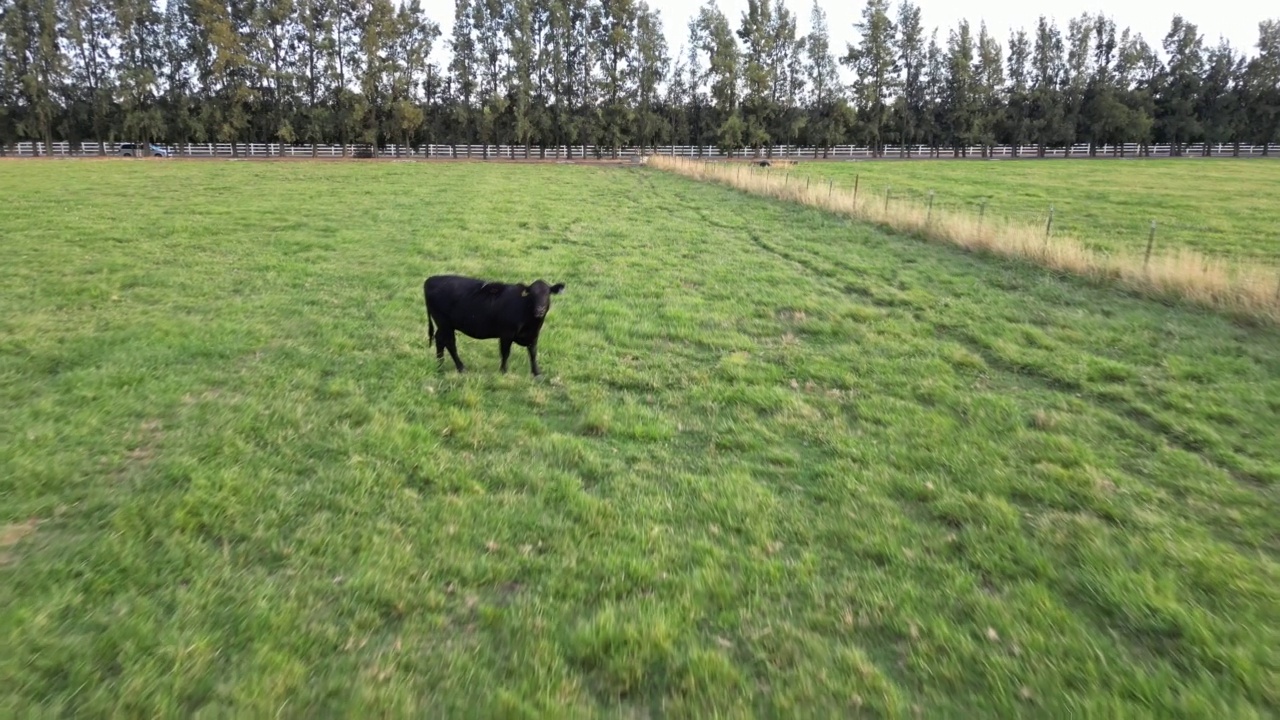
x: 1237, y: 20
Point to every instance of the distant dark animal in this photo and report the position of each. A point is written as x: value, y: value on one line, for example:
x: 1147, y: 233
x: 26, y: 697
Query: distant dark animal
x: 764, y: 163
x: 512, y: 313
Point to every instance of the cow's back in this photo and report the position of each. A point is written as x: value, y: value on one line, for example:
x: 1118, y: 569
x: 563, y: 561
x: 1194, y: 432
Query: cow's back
x: 444, y: 292
x: 464, y: 304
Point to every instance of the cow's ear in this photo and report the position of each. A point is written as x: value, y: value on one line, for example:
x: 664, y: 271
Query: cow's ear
x: 555, y: 289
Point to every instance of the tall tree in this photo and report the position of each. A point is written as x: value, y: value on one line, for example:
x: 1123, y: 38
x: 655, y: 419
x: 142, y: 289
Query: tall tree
x: 1137, y: 69
x: 758, y: 72
x: 30, y: 32
x: 788, y: 72
x: 874, y: 65
x: 617, y: 81
x: 1077, y: 73
x: 462, y: 70
x: 960, y: 97
x: 909, y: 107
x: 8, y: 83
x: 1262, y: 87
x: 680, y: 101
x: 1048, y: 114
x: 1102, y: 115
x: 414, y: 37
x: 988, y: 73
x: 229, y: 75
x: 315, y: 39
x: 139, y: 23
x: 650, y: 66
x: 715, y: 40
x: 830, y: 115
x: 90, y: 41
x: 1179, y: 87
x: 489, y: 19
x: 275, y: 26
x: 580, y: 26
x: 1219, y: 106
x: 523, y: 44
x: 933, y: 124
x: 1017, y: 116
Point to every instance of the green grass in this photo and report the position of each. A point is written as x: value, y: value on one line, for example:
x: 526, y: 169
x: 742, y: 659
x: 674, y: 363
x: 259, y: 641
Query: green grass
x: 1220, y: 207
x: 779, y: 464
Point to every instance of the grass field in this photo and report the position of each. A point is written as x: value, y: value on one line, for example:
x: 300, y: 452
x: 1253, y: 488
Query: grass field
x: 780, y: 464
x: 1220, y: 207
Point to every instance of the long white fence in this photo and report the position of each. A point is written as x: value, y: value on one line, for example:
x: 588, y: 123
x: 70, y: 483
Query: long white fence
x: 520, y: 152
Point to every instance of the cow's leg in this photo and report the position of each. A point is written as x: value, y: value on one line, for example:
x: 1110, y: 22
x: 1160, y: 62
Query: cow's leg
x: 451, y: 344
x: 533, y: 358
x: 505, y: 346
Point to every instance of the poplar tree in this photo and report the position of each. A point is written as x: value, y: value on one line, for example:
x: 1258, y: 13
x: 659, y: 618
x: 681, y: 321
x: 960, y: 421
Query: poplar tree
x: 874, y: 65
x: 1048, y: 118
x: 89, y: 43
x: 758, y: 73
x: 650, y: 66
x: 960, y: 94
x: 787, y: 61
x: 617, y: 79
x: 462, y: 70
x: 1179, y: 86
x: 716, y: 41
x: 830, y: 115
x: 989, y: 102
x: 1261, y: 89
x: 1017, y: 113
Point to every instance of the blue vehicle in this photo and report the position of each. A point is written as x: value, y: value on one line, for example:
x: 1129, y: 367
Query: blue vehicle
x: 137, y: 150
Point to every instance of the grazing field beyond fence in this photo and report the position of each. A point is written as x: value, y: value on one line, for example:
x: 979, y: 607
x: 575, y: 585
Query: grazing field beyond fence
x: 1226, y: 275
x: 781, y: 463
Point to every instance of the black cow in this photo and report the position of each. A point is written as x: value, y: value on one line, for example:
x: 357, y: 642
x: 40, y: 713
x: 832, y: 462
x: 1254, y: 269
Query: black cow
x: 486, y: 310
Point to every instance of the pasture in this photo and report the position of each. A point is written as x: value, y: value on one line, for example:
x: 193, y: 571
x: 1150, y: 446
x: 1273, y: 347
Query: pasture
x: 779, y: 463
x: 1221, y: 207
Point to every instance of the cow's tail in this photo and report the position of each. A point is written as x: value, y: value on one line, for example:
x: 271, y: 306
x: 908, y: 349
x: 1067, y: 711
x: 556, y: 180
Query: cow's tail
x: 431, y: 328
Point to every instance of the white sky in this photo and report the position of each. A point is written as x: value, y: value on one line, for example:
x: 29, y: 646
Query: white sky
x: 1237, y: 20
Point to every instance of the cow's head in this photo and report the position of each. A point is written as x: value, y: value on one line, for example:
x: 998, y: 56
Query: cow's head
x: 539, y: 295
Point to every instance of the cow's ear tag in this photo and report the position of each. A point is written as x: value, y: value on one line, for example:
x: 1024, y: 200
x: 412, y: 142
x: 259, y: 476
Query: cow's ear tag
x: 524, y: 292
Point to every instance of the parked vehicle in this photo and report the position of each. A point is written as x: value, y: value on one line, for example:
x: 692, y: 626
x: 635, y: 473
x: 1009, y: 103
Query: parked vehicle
x: 138, y: 150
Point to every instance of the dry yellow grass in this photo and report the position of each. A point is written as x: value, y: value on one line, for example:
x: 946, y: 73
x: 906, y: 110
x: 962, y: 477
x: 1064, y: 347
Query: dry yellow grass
x: 1241, y: 290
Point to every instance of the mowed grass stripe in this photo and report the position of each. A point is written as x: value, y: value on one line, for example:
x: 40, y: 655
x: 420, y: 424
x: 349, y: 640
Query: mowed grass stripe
x: 781, y: 463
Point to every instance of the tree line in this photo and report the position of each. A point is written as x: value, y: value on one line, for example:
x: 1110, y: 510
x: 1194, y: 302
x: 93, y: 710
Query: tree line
x: 540, y: 73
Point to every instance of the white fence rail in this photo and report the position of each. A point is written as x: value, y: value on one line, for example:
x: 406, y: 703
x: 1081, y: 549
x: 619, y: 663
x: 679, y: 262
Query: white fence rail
x: 520, y: 152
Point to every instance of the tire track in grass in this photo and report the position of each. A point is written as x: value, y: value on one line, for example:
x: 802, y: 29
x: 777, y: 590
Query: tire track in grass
x: 791, y: 483
x: 1142, y: 643
x: 1140, y: 416
x: 1118, y: 617
x: 1135, y: 419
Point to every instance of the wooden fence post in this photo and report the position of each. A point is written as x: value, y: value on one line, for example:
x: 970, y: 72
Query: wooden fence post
x: 887, y: 190
x: 1048, y: 227
x: 929, y: 217
x: 1151, y: 241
